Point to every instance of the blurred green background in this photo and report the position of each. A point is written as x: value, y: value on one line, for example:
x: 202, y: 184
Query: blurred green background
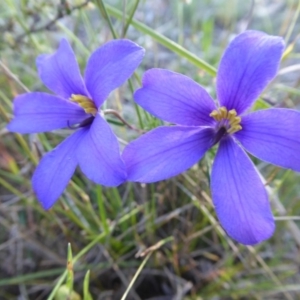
x: 166, y: 233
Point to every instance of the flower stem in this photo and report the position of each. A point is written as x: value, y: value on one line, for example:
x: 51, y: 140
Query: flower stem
x: 176, y: 48
x: 116, y: 114
x: 129, y: 19
x: 106, y: 16
x: 146, y: 253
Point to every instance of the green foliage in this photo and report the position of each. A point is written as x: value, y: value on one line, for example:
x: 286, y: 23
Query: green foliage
x: 137, y: 238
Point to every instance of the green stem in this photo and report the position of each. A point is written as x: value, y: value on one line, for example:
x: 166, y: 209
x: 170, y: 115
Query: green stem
x: 137, y: 108
x: 176, y: 48
x: 129, y: 19
x: 75, y: 259
x: 136, y: 276
x: 106, y: 16
x: 9, y: 187
x: 292, y: 26
x: 151, y: 250
x: 103, y: 10
x: 101, y: 207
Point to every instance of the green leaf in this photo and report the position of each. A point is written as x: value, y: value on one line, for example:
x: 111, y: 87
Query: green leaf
x: 86, y: 282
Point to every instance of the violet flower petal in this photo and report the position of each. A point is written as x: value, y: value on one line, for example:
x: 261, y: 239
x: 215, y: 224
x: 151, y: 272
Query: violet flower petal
x: 248, y: 64
x: 175, y: 98
x: 272, y: 135
x: 165, y: 152
x: 60, y: 72
x: 239, y: 195
x: 40, y: 112
x: 55, y: 170
x: 99, y: 155
x: 110, y: 66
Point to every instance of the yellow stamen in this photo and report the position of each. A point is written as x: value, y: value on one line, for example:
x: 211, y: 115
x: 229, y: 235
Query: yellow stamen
x: 234, y: 129
x: 233, y: 121
x: 223, y: 112
x: 231, y: 114
x: 79, y: 98
x: 87, y: 104
x: 92, y: 111
x: 215, y: 114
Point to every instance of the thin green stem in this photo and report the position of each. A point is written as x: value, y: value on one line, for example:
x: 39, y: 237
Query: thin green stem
x: 28, y: 277
x: 149, y: 251
x: 9, y: 187
x: 103, y: 10
x: 137, y: 108
x: 176, y: 48
x: 101, y: 207
x: 129, y: 19
x: 292, y: 26
x: 139, y: 270
x: 106, y: 16
x: 75, y: 259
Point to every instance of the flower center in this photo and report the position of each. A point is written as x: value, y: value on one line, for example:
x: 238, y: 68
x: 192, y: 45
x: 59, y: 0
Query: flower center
x: 87, y: 104
x: 227, y: 120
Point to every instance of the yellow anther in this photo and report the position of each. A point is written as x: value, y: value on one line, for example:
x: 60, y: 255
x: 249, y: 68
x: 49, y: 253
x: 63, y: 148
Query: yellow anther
x: 92, y: 111
x: 234, y: 129
x: 223, y: 112
x: 87, y: 104
x: 79, y: 98
x: 231, y: 114
x: 235, y: 121
x: 215, y: 114
x: 227, y: 119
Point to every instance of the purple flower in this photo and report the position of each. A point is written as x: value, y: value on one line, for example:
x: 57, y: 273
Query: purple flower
x: 249, y: 63
x: 93, y: 145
